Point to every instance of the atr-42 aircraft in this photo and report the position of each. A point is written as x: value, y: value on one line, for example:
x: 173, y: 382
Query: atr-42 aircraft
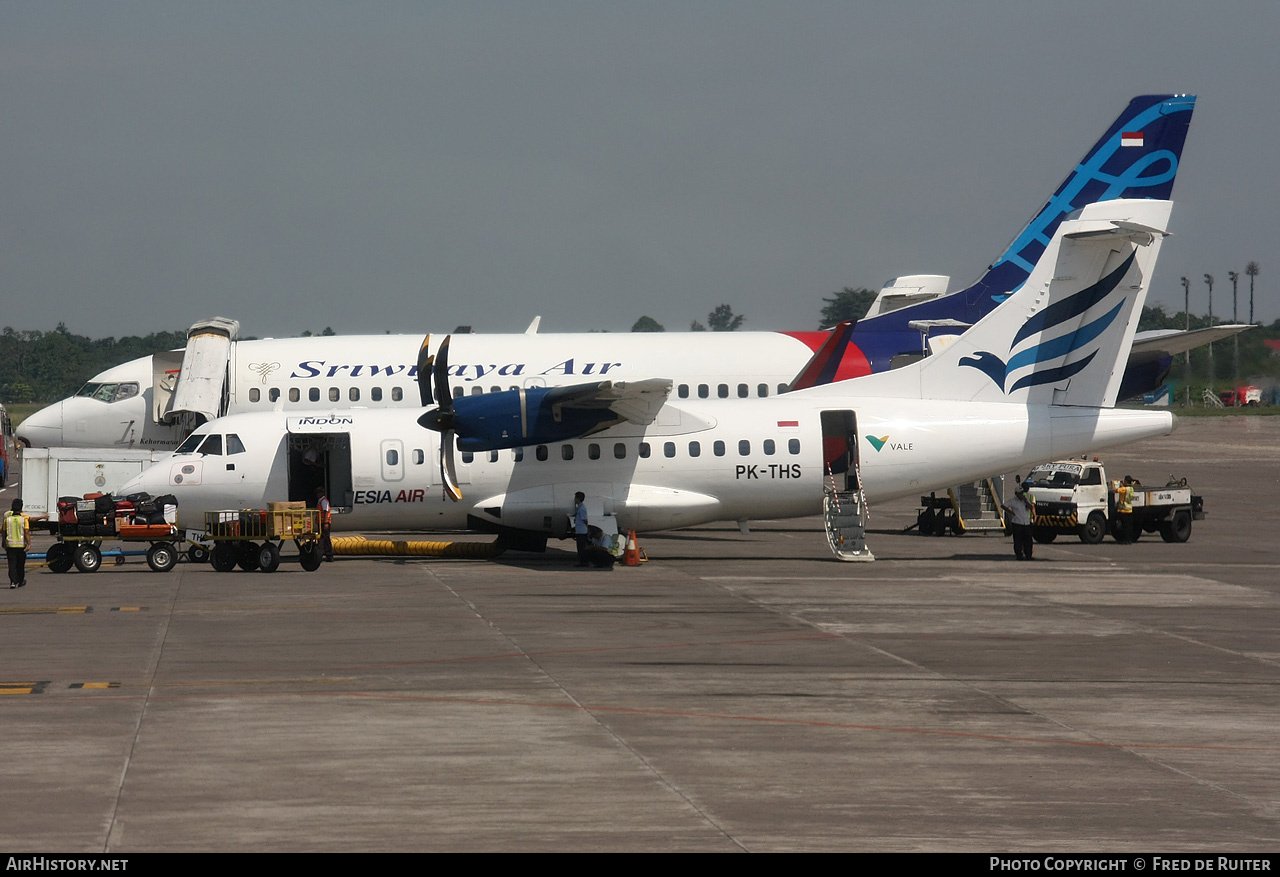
x: 155, y: 401
x: 1035, y: 379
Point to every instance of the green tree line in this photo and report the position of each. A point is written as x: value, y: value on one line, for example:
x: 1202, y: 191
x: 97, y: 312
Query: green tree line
x: 45, y: 366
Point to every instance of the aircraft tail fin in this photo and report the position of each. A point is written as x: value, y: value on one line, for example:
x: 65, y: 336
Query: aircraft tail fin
x: 1064, y: 338
x: 1137, y: 157
x: 825, y: 362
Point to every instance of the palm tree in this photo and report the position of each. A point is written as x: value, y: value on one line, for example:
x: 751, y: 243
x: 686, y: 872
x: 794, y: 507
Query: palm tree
x: 1252, y: 270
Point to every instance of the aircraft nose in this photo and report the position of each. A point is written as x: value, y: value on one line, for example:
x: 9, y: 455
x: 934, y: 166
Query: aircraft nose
x: 44, y: 428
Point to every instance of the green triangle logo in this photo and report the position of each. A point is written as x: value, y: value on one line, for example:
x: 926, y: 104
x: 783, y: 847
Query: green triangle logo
x: 877, y: 443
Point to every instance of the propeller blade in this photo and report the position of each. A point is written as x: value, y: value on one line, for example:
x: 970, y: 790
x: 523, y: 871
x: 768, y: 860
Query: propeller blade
x: 448, y: 472
x: 440, y: 372
x: 424, y: 369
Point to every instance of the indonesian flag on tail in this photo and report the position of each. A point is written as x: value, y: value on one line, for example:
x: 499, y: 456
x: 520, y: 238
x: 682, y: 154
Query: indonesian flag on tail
x: 1131, y: 138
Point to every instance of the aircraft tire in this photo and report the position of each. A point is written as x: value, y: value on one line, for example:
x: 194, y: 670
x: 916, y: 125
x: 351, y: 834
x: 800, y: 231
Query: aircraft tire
x: 162, y: 557
x: 198, y: 554
x: 223, y: 557
x: 87, y: 557
x: 248, y: 556
x: 59, y: 557
x: 1092, y: 531
x: 268, y: 557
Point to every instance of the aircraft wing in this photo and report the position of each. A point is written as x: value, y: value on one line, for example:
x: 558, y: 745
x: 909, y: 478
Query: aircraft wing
x: 1172, y: 341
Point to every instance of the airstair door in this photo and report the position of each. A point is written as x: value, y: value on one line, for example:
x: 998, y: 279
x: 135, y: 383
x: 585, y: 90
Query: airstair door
x: 844, y: 502
x: 203, y: 387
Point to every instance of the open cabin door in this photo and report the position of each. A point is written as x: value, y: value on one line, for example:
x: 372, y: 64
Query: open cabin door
x: 203, y: 386
x: 844, y: 503
x: 319, y: 456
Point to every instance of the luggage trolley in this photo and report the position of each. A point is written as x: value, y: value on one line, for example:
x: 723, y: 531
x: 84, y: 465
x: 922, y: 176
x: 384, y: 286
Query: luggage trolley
x: 83, y: 525
x: 252, y: 538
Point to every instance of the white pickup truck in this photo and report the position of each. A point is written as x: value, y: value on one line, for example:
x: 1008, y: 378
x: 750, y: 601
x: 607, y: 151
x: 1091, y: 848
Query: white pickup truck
x: 1075, y: 496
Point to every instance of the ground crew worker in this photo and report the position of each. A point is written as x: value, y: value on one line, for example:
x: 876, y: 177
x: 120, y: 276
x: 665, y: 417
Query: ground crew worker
x: 580, y: 527
x: 17, y: 542
x: 1022, y: 511
x: 326, y: 523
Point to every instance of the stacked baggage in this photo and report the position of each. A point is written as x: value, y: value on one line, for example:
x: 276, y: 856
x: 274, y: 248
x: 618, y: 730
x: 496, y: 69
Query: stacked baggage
x: 139, y: 515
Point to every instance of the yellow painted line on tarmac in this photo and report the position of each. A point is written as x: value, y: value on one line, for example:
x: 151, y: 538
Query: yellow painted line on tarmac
x: 22, y: 687
x: 94, y: 685
x: 45, y: 610
x: 129, y: 608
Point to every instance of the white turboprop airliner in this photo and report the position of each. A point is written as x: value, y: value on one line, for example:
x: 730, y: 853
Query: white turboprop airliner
x: 1036, y: 379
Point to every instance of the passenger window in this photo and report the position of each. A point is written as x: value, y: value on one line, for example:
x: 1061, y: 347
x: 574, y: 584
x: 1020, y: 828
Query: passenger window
x: 703, y: 391
x: 743, y: 391
x: 718, y: 449
x: 419, y: 457
x: 376, y: 394
x: 293, y: 394
x: 234, y: 445
x: 566, y: 452
x: 468, y: 456
x: 477, y: 391
x: 212, y: 446
x: 396, y: 394
x: 762, y: 390
x: 541, y: 453
x: 683, y: 391
x: 519, y: 454
x: 643, y: 450
x: 495, y: 389
x: 354, y: 394
x: 695, y: 449
x: 782, y: 388
x: 744, y: 448
x: 669, y: 449
x: 334, y: 394
x: 493, y: 456
x: 314, y: 394
x: 722, y: 391
x: 793, y: 446
x: 593, y: 451
x: 458, y: 392
x: 254, y: 395
x: 768, y: 447
x: 620, y: 451
x: 274, y: 394
x: 393, y: 457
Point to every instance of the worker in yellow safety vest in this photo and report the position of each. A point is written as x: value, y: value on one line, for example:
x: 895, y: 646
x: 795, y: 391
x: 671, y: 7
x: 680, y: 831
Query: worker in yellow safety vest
x: 326, y: 523
x: 17, y: 542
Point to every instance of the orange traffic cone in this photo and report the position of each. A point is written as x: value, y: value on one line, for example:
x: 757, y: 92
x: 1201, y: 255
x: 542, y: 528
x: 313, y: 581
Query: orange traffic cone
x: 631, y: 554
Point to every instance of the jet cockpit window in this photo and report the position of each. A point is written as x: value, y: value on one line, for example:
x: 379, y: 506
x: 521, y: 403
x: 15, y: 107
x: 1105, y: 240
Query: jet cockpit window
x: 234, y: 445
x: 109, y: 392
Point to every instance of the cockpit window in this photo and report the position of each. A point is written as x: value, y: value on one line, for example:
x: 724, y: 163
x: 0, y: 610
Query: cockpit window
x: 212, y: 445
x: 234, y: 445
x: 109, y: 392
x: 190, y: 444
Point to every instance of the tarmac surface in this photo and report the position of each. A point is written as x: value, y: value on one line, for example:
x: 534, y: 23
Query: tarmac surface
x: 735, y: 693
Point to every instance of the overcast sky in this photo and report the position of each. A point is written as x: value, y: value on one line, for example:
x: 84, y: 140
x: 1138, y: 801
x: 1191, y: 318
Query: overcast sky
x: 415, y: 166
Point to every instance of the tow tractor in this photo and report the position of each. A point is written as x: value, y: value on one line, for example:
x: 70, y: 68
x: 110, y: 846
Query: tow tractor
x: 252, y: 538
x: 1075, y: 496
